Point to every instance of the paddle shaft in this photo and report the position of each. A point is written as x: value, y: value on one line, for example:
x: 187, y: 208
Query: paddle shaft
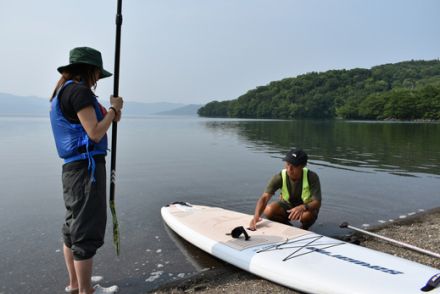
x: 115, y: 126
x: 406, y: 245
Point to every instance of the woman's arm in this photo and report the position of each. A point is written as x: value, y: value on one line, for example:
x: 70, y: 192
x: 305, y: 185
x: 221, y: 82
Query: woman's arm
x: 95, y: 130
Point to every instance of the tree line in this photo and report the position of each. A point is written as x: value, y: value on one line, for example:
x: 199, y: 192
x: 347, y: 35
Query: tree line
x: 406, y: 90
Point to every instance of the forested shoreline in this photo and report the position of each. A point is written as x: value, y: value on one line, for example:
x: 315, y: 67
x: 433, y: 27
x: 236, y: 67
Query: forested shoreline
x: 408, y: 90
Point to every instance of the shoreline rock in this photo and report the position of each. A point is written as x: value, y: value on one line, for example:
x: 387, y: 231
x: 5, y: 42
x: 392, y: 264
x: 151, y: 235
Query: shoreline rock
x: 421, y: 230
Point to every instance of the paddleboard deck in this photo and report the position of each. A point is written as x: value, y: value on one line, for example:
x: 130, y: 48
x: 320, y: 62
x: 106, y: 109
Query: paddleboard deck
x: 296, y: 258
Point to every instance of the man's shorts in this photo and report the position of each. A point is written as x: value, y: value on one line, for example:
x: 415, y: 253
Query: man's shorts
x: 288, y: 206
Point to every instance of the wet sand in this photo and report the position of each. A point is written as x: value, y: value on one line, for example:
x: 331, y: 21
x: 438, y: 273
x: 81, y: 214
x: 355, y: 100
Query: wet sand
x: 421, y: 230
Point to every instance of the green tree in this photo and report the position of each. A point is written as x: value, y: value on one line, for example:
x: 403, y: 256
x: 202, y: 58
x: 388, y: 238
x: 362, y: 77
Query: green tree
x: 404, y: 90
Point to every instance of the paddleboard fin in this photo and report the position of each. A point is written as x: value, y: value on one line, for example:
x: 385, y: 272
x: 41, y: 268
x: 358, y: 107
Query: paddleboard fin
x: 433, y: 283
x: 179, y: 202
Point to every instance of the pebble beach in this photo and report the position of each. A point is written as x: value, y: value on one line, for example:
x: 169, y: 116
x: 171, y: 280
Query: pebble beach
x: 421, y: 230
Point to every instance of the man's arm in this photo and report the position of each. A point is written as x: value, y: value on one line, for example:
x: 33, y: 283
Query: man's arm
x: 273, y: 185
x: 259, y: 209
x: 297, y: 212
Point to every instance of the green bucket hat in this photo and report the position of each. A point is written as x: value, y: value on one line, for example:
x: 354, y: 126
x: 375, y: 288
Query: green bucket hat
x: 86, y: 55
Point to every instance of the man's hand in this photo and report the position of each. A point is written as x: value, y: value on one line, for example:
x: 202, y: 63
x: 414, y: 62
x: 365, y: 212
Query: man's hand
x: 253, y: 223
x: 296, y: 212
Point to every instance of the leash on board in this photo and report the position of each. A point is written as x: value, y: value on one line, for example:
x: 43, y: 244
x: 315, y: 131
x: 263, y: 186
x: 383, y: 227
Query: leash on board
x: 116, y: 238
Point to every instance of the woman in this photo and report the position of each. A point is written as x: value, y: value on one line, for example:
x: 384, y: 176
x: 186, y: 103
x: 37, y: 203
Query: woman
x: 79, y: 125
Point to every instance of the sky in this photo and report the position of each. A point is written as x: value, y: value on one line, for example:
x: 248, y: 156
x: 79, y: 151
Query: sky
x: 197, y: 51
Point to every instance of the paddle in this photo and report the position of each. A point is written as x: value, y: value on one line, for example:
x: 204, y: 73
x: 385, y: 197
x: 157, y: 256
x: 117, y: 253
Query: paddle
x: 409, y: 246
x: 116, y: 239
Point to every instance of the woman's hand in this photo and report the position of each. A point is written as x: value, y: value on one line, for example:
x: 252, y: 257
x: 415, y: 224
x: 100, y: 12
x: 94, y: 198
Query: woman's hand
x: 117, y: 116
x: 117, y: 103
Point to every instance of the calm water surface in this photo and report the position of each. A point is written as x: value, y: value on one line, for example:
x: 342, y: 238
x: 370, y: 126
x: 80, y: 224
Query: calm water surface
x: 370, y: 173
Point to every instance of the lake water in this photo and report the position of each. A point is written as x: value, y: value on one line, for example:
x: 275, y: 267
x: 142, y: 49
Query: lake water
x: 370, y: 172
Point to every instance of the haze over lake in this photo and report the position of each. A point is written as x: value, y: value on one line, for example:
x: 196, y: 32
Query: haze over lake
x: 370, y: 172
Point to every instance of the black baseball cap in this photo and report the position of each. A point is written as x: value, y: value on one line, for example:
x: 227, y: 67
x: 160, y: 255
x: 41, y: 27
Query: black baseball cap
x: 296, y: 157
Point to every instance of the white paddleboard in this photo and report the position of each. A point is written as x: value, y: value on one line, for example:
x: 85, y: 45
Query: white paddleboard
x: 296, y: 258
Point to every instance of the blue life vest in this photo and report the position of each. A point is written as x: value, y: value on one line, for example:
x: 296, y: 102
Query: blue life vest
x: 71, y: 139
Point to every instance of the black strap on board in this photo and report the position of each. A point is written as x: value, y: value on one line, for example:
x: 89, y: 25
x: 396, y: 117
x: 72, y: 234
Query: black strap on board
x: 236, y: 233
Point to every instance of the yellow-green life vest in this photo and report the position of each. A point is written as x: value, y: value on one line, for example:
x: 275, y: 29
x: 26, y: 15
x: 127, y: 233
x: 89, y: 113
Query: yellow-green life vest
x: 306, y: 196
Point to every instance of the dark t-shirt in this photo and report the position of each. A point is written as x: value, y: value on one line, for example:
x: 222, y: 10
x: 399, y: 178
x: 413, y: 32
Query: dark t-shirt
x: 295, y: 188
x: 73, y: 98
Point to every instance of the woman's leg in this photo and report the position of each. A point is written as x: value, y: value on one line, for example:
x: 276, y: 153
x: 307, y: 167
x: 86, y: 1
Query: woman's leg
x: 87, y: 201
x: 83, y: 269
x: 68, y: 258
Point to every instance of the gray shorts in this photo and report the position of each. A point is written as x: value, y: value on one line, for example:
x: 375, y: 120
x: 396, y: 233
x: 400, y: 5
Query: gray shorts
x: 86, y: 208
x: 287, y: 206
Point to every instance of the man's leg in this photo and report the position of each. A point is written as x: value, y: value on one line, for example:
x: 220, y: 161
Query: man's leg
x: 276, y: 212
x: 308, y: 218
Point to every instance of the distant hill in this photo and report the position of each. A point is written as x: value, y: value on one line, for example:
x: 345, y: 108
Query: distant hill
x: 190, y: 109
x: 23, y: 105
x: 406, y: 90
x: 140, y: 108
x: 31, y: 105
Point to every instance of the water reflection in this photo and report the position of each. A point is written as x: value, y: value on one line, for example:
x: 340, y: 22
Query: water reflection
x: 397, y: 148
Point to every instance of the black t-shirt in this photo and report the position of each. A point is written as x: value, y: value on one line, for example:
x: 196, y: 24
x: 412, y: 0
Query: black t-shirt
x: 73, y: 98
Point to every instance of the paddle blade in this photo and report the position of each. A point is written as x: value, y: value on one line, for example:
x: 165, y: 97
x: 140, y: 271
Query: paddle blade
x: 116, y: 239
